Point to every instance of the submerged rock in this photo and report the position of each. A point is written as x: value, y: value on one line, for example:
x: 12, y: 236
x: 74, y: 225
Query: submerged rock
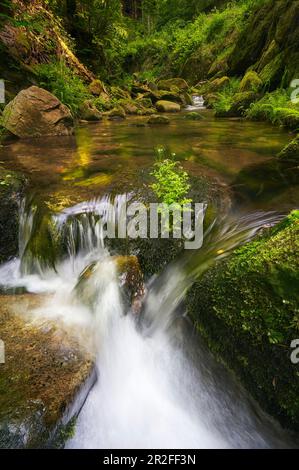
x: 35, y: 112
x: 88, y: 112
x: 44, y: 380
x: 168, y: 107
x: 12, y: 188
x: 246, y: 308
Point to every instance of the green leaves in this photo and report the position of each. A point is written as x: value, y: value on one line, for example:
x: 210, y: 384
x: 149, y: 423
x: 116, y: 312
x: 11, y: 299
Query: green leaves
x: 171, y: 181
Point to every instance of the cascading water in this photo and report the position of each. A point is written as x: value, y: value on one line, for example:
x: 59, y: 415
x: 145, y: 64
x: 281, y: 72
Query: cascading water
x: 157, y: 386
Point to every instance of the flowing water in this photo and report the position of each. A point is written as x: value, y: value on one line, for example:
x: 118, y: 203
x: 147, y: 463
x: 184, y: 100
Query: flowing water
x: 158, y: 386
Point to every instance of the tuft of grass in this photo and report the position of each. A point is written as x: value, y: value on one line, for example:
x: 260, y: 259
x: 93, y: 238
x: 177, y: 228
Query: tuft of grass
x: 60, y: 80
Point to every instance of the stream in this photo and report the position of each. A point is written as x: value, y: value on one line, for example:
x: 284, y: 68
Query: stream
x: 158, y: 385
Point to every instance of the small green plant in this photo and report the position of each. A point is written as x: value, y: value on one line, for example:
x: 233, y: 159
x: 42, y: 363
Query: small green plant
x: 171, y: 181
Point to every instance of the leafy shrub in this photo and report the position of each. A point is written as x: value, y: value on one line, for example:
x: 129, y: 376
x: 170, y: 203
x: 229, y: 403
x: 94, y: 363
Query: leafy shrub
x: 57, y: 78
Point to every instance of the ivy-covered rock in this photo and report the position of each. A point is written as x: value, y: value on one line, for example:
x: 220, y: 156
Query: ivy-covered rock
x: 247, y: 309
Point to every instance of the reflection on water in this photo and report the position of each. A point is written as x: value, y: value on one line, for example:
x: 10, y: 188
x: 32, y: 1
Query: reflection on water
x: 108, y: 157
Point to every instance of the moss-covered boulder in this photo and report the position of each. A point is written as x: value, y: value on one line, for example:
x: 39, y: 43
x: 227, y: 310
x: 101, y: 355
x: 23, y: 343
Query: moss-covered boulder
x: 268, y: 43
x: 44, y: 380
x: 167, y: 106
x: 89, y: 112
x: 291, y: 151
x: 154, y: 254
x: 35, y: 112
x: 218, y: 84
x: 172, y: 83
x: 251, y: 82
x: 12, y: 188
x: 116, y: 113
x: 247, y: 309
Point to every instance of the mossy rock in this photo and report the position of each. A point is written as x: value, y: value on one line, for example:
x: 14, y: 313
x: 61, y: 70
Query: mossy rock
x: 194, y: 116
x: 246, y: 308
x: 89, y: 112
x: 251, y: 82
x: 271, y: 74
x: 155, y: 254
x: 240, y: 103
x: 173, y: 83
x: 157, y: 119
x: 288, y: 117
x: 164, y: 106
x: 290, y: 151
x: 12, y: 189
x: 45, y: 379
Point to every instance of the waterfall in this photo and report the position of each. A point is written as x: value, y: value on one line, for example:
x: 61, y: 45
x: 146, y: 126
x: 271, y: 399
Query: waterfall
x: 157, y: 386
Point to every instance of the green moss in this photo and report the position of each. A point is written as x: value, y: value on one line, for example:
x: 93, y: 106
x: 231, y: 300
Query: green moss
x: 277, y: 108
x: 12, y: 187
x: 194, y: 116
x: 247, y: 308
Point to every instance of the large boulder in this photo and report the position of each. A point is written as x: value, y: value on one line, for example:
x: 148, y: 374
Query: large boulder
x: 251, y: 82
x: 245, y: 307
x: 35, y: 112
x: 12, y: 187
x: 167, y: 106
